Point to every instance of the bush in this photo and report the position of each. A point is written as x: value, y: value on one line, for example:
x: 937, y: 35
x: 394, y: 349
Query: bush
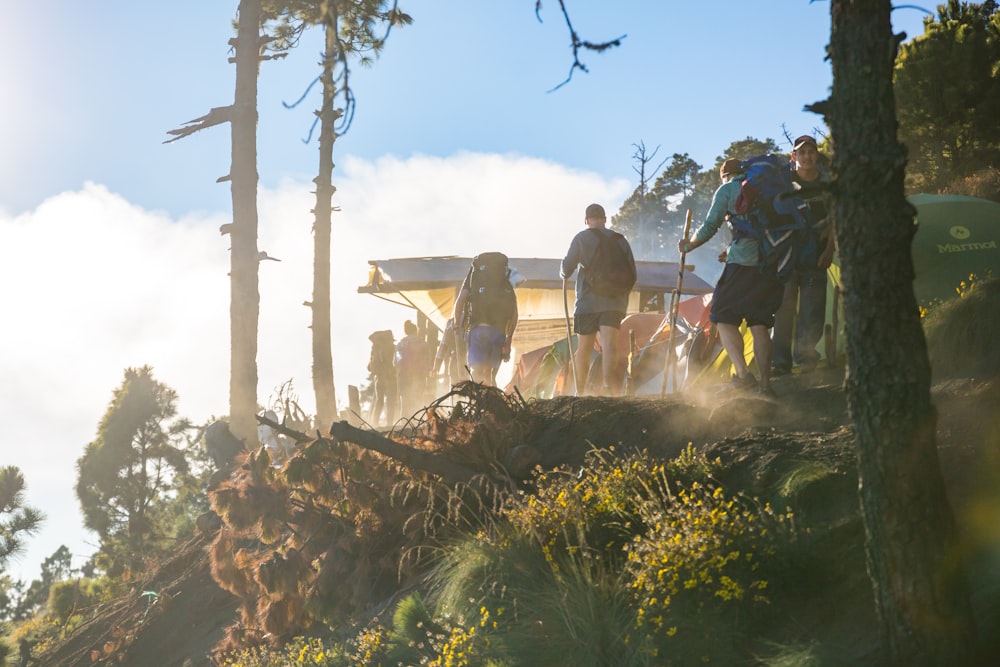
x: 984, y: 184
x: 300, y: 652
x: 68, y: 597
x: 961, y: 332
x: 625, y: 562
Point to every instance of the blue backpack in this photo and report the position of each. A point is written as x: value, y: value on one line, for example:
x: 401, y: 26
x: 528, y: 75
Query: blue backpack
x: 770, y: 211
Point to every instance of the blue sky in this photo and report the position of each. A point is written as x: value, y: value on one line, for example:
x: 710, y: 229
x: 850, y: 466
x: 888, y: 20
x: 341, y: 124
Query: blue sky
x: 112, y: 254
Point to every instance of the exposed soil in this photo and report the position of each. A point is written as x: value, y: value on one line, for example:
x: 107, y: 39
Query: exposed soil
x: 760, y: 442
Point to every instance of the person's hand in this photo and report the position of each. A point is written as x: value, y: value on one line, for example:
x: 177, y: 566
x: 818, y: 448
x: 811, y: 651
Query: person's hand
x: 505, y: 352
x: 723, y: 255
x: 684, y: 245
x: 825, y: 258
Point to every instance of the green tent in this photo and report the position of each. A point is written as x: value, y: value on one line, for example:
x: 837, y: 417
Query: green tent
x: 956, y: 236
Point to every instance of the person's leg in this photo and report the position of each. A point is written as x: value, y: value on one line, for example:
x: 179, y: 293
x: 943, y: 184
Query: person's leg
x: 731, y: 302
x: 404, y: 394
x: 609, y: 361
x: 378, y: 403
x: 732, y: 343
x: 482, y: 375
x: 391, y: 402
x: 762, y: 353
x: 485, y: 353
x: 581, y: 360
x: 812, y: 317
x: 784, y: 325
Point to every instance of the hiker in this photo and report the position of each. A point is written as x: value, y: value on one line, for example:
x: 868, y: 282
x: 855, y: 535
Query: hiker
x: 805, y: 288
x: 383, y: 370
x: 743, y: 292
x: 599, y: 307
x: 412, y: 369
x: 486, y: 315
x: 221, y: 445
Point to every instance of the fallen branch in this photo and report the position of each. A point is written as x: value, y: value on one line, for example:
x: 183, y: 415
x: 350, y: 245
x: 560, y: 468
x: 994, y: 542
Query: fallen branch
x: 448, y: 471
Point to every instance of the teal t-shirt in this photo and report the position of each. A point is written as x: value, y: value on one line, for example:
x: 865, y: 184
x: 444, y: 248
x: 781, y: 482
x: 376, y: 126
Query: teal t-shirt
x: 745, y: 251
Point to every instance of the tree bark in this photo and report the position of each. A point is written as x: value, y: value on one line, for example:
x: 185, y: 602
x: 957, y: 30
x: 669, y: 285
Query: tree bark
x: 920, y: 594
x: 244, y: 308
x: 322, y: 342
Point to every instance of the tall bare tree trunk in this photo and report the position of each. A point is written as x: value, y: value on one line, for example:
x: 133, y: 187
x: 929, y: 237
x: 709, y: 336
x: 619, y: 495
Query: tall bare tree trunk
x: 920, y: 594
x: 322, y: 345
x: 244, y: 307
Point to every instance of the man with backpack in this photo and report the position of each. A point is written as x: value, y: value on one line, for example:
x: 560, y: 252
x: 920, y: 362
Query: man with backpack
x: 805, y: 288
x: 744, y: 291
x: 384, y: 383
x: 486, y: 315
x: 412, y: 369
x: 607, y: 274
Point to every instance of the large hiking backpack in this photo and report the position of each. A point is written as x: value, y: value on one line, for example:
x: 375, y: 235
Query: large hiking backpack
x: 491, y: 296
x: 380, y: 362
x: 611, y: 271
x: 770, y: 211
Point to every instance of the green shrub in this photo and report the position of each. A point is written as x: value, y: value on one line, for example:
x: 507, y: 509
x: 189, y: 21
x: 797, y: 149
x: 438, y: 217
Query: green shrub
x: 66, y: 598
x: 985, y: 184
x: 300, y: 652
x: 618, y: 564
x: 961, y: 333
x: 697, y: 571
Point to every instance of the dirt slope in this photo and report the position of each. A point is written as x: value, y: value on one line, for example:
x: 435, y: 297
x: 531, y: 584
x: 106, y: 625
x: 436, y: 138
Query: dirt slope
x: 760, y: 442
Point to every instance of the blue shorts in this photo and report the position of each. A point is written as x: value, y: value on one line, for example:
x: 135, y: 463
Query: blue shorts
x: 486, y: 346
x: 585, y: 324
x: 744, y: 293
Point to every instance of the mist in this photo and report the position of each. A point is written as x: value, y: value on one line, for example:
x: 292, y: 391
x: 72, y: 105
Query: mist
x: 95, y: 284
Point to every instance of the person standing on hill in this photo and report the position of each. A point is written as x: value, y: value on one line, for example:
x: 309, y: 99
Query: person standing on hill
x: 486, y: 315
x: 805, y: 289
x: 743, y: 292
x: 384, y: 385
x: 607, y: 274
x: 412, y: 368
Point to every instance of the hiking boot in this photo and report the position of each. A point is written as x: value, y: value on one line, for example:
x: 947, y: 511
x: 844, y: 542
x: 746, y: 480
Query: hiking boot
x: 766, y: 392
x: 746, y: 383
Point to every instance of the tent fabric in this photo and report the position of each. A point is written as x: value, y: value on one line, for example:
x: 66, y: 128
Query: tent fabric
x: 431, y: 284
x: 541, y: 373
x: 692, y: 345
x: 956, y: 237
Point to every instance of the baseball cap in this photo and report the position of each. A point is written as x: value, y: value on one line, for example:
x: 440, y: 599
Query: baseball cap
x: 802, y: 141
x: 595, y: 211
x: 730, y: 167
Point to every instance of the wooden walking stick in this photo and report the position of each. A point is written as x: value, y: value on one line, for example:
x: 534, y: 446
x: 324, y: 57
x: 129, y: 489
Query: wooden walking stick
x: 675, y: 302
x: 569, y: 342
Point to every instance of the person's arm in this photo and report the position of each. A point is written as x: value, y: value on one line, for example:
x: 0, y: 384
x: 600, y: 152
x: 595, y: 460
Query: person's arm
x: 571, y: 260
x: 826, y: 257
x: 722, y: 203
x: 460, y: 302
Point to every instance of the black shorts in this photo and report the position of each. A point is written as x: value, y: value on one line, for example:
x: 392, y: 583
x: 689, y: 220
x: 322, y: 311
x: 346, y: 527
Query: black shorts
x: 586, y: 324
x: 744, y: 293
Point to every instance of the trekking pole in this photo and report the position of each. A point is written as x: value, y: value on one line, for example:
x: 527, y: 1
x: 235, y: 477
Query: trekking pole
x: 569, y: 341
x: 675, y: 302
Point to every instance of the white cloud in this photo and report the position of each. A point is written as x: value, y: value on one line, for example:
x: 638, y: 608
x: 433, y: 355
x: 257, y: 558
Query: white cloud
x: 94, y: 284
